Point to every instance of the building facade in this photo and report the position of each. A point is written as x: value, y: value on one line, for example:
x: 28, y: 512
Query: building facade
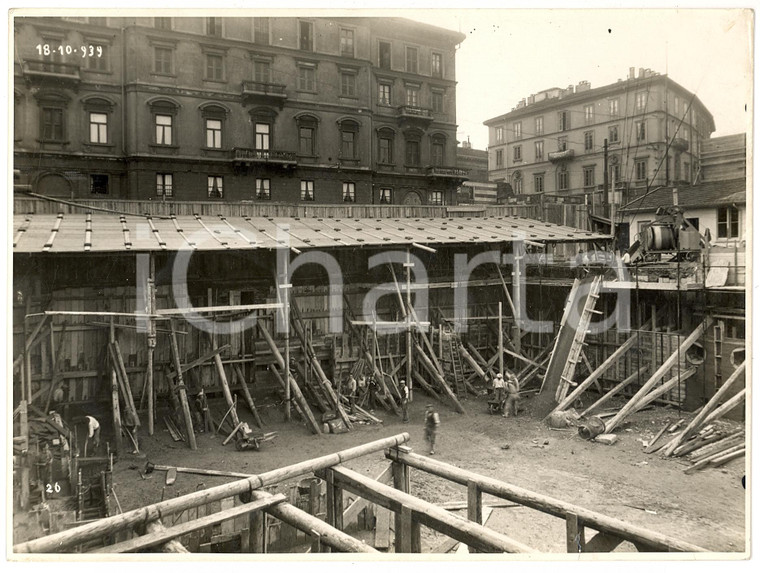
x: 552, y: 143
x: 724, y: 158
x: 324, y: 110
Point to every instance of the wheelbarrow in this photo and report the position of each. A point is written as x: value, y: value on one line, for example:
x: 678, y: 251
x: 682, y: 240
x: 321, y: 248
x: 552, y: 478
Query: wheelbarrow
x: 495, y: 406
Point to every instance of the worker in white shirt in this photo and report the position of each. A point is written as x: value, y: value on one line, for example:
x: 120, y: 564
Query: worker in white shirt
x: 93, y: 433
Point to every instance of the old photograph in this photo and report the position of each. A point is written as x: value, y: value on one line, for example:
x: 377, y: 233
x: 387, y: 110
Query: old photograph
x: 424, y: 283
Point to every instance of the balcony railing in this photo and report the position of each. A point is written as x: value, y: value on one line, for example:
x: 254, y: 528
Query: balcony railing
x: 561, y: 155
x: 680, y: 144
x: 53, y: 70
x: 440, y: 171
x: 247, y: 155
x: 263, y: 88
x: 414, y: 112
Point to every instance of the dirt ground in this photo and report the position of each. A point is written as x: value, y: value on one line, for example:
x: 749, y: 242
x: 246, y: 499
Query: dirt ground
x: 706, y: 508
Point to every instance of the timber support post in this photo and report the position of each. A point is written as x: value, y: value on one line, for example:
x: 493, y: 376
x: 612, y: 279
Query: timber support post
x: 181, y: 388
x: 474, y: 506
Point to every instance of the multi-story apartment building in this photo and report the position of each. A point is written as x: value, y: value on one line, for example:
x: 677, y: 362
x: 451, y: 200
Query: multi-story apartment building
x: 328, y: 110
x: 553, y: 142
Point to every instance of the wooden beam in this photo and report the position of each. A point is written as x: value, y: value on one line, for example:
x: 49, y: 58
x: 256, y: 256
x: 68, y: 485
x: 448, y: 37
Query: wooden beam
x: 657, y: 376
x: 238, y: 371
x: 428, y: 514
x: 66, y: 539
x: 180, y: 387
x: 202, y: 360
x: 223, y: 308
x: 663, y: 388
x: 616, y: 389
x: 167, y: 534
x: 540, y: 502
x: 700, y: 418
x: 352, y: 511
x: 446, y: 388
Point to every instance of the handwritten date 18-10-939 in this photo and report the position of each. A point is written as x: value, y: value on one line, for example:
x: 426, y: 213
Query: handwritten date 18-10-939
x: 83, y: 51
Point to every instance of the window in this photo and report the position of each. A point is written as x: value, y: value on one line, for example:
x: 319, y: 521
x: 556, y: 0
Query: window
x: 261, y: 136
x: 562, y: 144
x: 99, y: 64
x: 641, y: 131
x: 386, y: 195
x: 412, y: 96
x: 215, y: 186
x: 348, y: 145
x: 614, y: 136
x: 540, y: 125
x: 588, y: 141
x: 214, y: 67
x: 517, y: 129
x: 52, y: 124
x: 384, y: 92
x: 676, y: 106
x: 349, y: 192
x: 262, y: 189
x: 436, y: 64
x: 307, y: 190
x: 435, y: 197
x: 538, y: 183
x: 261, y: 31
x: 412, y: 153
x: 262, y: 72
x: 563, y: 179
x: 385, y: 147
x: 588, y: 113
x: 214, y: 133
x: 437, y: 102
x: 539, y: 150
x: 162, y: 60
x: 99, y: 184
x: 438, y: 151
x: 162, y: 23
x: 214, y: 27
x: 687, y: 170
x: 499, y: 134
x: 384, y: 55
x: 306, y: 79
x: 564, y: 120
x: 98, y: 128
x: 728, y: 223
x: 517, y: 153
x: 346, y: 43
x: 164, y: 185
x: 411, y: 60
x: 306, y: 36
x: 641, y: 101
x: 641, y: 170
x: 164, y: 129
x: 614, y: 107
x: 499, y: 158
x: 348, y: 85
x: 517, y: 186
x: 614, y: 174
x: 306, y: 140
x: 589, y: 179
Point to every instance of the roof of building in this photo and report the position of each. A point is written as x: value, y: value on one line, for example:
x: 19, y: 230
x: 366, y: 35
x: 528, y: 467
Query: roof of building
x: 709, y: 194
x: 579, y: 96
x: 104, y: 232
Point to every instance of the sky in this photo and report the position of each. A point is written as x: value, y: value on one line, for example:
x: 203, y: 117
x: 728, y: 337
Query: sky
x: 510, y: 54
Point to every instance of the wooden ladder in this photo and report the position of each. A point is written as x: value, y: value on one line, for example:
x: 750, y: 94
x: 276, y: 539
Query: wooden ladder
x: 574, y: 357
x: 452, y: 363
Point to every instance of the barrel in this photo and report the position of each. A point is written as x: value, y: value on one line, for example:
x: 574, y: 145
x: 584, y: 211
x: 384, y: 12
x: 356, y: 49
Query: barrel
x: 660, y: 238
x: 591, y: 428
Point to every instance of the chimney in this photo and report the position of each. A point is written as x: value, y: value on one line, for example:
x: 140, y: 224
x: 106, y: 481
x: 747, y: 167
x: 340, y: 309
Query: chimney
x: 631, y: 73
x: 675, y: 196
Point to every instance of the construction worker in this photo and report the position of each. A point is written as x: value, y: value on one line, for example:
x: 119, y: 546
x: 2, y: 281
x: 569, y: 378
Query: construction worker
x: 351, y: 393
x: 498, y: 388
x: 93, y: 433
x: 372, y: 390
x: 432, y: 421
x: 513, y: 395
x: 405, y: 401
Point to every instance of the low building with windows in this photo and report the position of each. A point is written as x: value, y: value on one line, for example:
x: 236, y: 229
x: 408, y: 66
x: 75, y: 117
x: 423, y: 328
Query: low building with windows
x: 553, y: 143
x: 324, y: 110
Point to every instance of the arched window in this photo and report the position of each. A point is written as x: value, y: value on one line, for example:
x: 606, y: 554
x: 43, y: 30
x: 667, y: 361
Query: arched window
x: 307, y: 135
x: 213, y: 125
x: 53, y: 116
x: 164, y: 114
x: 98, y: 118
x: 263, y: 129
x: 412, y: 148
x: 438, y: 150
x: 349, y: 139
x: 517, y: 183
x: 385, y: 138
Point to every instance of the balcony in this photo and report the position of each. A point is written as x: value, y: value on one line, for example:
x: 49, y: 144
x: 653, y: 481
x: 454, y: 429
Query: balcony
x: 680, y: 144
x: 54, y: 72
x: 557, y: 156
x: 447, y: 172
x: 414, y: 114
x: 247, y: 156
x: 264, y: 92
